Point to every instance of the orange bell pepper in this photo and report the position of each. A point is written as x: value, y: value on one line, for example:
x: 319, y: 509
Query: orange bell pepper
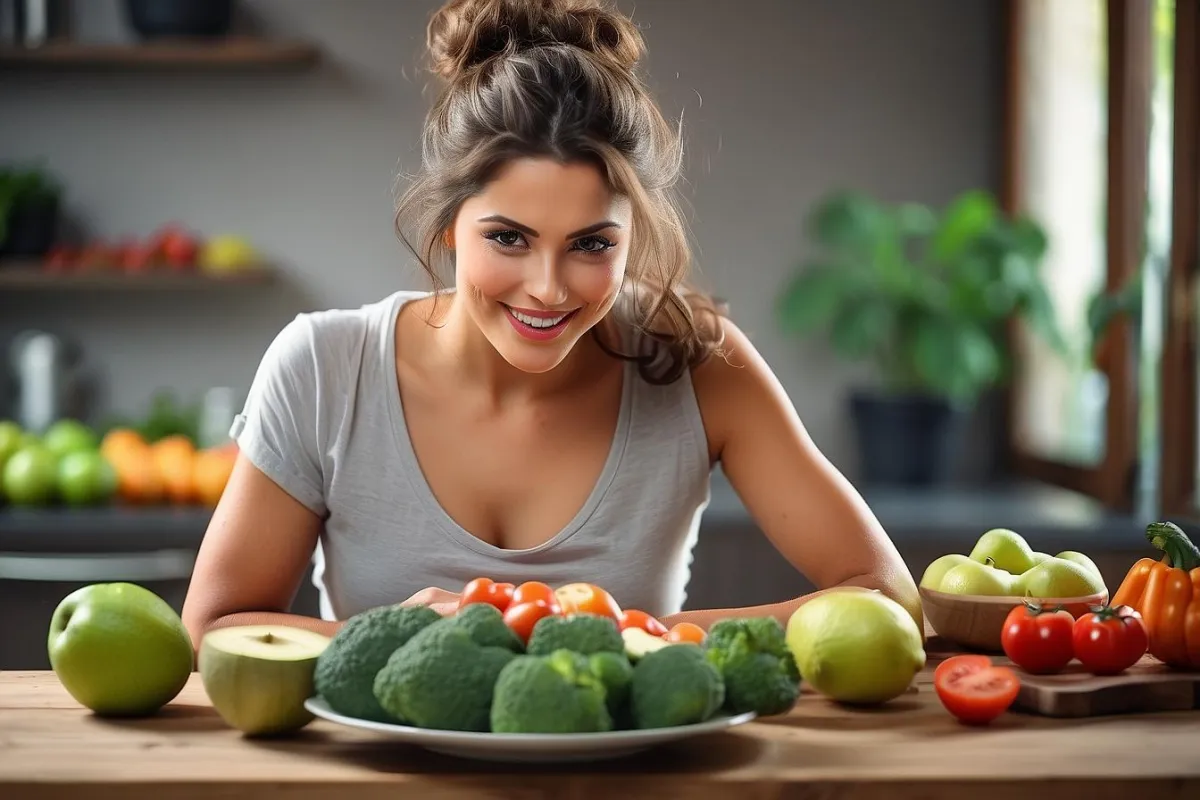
x: 1167, y: 595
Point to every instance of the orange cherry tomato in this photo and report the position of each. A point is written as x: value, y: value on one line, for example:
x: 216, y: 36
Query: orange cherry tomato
x: 485, y: 590
x: 587, y: 598
x: 632, y: 618
x: 529, y: 591
x: 521, y: 617
x: 686, y: 632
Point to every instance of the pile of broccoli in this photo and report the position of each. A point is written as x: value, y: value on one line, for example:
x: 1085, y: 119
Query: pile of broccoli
x: 576, y: 674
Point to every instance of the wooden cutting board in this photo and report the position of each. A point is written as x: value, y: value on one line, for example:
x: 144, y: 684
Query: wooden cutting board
x: 1146, y: 686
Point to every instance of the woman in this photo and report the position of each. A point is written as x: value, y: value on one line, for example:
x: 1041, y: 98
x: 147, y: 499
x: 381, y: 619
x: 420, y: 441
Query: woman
x: 556, y: 415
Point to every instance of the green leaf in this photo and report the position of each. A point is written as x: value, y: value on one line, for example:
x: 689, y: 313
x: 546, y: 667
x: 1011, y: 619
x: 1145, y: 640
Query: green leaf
x: 955, y: 359
x: 849, y: 223
x: 967, y: 218
x: 812, y: 299
x: 862, y: 329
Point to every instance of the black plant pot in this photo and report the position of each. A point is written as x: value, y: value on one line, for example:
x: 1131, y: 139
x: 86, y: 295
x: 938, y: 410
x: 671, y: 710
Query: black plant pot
x: 906, y: 440
x: 32, y: 228
x: 182, y: 18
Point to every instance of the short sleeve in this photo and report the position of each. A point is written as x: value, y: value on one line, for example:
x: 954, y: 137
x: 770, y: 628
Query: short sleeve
x: 278, y: 427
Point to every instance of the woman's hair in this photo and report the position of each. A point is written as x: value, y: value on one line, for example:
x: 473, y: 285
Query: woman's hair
x: 555, y: 78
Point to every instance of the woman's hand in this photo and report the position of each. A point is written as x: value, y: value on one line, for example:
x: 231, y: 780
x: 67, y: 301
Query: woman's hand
x: 441, y: 601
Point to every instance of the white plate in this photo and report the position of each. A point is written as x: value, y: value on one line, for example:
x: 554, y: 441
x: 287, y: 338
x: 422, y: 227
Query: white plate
x: 531, y: 747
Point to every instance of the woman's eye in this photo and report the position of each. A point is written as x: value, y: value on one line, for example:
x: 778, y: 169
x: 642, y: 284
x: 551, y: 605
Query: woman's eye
x: 505, y: 238
x: 593, y: 244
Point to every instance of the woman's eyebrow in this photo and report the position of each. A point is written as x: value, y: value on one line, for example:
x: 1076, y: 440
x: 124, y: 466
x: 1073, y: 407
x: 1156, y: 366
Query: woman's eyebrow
x: 503, y: 220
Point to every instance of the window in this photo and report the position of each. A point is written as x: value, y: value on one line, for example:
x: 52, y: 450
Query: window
x: 1081, y: 78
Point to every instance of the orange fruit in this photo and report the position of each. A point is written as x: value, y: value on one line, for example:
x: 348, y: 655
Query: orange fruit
x: 210, y: 473
x: 173, y: 458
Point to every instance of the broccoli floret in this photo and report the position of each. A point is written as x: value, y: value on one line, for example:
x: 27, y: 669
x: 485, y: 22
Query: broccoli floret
x: 579, y: 633
x: 485, y: 624
x: 675, y: 686
x: 442, y: 679
x: 616, y: 673
x: 345, y: 671
x: 756, y: 664
x: 556, y: 693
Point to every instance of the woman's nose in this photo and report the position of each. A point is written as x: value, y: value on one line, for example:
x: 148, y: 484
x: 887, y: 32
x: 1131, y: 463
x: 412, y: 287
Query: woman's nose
x: 545, y: 282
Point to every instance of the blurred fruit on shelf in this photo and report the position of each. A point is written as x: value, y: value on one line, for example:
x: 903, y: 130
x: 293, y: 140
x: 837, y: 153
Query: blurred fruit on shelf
x: 69, y: 436
x: 86, y: 478
x: 30, y: 476
x: 174, y: 458
x: 211, y: 472
x: 228, y: 253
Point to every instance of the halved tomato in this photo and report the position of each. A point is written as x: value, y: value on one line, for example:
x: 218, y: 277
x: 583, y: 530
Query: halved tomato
x: 632, y: 618
x: 974, y: 691
x: 587, y: 598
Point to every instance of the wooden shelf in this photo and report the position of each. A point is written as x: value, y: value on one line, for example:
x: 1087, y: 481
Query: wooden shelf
x: 217, y: 54
x: 20, y: 276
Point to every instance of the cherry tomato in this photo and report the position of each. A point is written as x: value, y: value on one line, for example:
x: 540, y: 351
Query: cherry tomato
x: 529, y: 591
x: 1110, y: 640
x: 632, y: 618
x: 485, y: 590
x: 587, y: 598
x: 1038, y: 639
x: 686, y: 632
x: 521, y: 617
x: 974, y: 691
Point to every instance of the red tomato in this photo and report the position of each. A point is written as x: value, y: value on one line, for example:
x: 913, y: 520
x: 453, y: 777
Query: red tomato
x: 686, y: 632
x: 529, y: 591
x: 1038, y: 639
x: 632, y: 618
x: 974, y: 692
x: 521, y: 617
x: 1110, y: 640
x: 485, y: 590
x: 587, y: 598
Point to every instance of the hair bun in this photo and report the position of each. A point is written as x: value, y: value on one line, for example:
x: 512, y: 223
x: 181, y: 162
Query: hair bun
x: 466, y: 33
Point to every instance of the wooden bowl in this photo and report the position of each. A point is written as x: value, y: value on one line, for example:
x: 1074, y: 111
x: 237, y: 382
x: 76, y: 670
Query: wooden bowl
x: 976, y: 621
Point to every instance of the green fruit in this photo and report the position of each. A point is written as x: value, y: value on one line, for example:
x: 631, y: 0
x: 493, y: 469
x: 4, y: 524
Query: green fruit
x: 977, y: 579
x: 69, y: 436
x: 937, y: 569
x: 1039, y: 557
x: 1058, y: 577
x: 857, y: 647
x: 1081, y: 560
x: 258, y: 676
x: 119, y: 649
x: 85, y: 478
x: 11, y: 440
x: 30, y: 476
x: 1006, y: 549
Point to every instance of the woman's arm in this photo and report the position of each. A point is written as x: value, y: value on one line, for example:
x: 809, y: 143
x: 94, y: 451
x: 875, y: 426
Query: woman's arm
x: 803, y: 504
x: 253, y: 558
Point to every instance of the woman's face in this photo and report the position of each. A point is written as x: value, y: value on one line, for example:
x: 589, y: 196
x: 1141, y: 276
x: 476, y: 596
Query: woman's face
x: 540, y: 256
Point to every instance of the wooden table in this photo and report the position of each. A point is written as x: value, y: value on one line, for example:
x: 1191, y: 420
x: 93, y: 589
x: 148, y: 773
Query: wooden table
x: 911, y: 748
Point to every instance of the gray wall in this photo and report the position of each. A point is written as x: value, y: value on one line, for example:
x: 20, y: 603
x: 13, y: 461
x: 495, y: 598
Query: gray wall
x: 782, y: 100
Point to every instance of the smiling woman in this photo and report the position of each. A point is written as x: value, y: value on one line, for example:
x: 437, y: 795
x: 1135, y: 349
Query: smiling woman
x: 555, y: 416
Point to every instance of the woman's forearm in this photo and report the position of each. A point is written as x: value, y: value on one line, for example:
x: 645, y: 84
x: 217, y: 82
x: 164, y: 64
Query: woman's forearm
x: 905, y: 595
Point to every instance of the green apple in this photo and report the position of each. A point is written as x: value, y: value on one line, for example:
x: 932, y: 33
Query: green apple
x: 85, y: 478
x: 979, y: 579
x: 1058, y: 577
x: 1082, y: 560
x: 11, y: 439
x: 258, y: 676
x: 119, y: 649
x: 69, y: 436
x: 937, y: 569
x: 1006, y: 549
x: 30, y: 476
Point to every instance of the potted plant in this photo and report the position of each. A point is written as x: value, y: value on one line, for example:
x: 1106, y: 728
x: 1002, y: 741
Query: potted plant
x: 29, y: 211
x: 925, y: 297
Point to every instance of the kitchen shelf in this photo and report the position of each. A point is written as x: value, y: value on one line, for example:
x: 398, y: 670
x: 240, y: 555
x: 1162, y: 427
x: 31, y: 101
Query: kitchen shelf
x: 32, y: 277
x: 220, y: 54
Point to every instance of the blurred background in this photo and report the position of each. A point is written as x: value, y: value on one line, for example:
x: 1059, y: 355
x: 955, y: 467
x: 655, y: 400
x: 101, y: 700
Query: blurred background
x: 956, y: 229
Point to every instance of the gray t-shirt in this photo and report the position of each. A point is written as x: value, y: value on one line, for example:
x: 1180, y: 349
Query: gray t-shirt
x: 324, y: 420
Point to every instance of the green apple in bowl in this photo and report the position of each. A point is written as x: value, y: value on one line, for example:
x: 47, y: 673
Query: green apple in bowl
x: 973, y: 578
x: 1059, y: 577
x: 937, y: 569
x: 1082, y: 560
x: 119, y: 649
x: 1005, y: 549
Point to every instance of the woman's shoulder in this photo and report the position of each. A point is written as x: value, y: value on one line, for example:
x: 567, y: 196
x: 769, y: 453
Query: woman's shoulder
x: 335, y: 333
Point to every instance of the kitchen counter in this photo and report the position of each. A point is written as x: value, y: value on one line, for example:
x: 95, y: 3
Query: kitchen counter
x: 910, y: 748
